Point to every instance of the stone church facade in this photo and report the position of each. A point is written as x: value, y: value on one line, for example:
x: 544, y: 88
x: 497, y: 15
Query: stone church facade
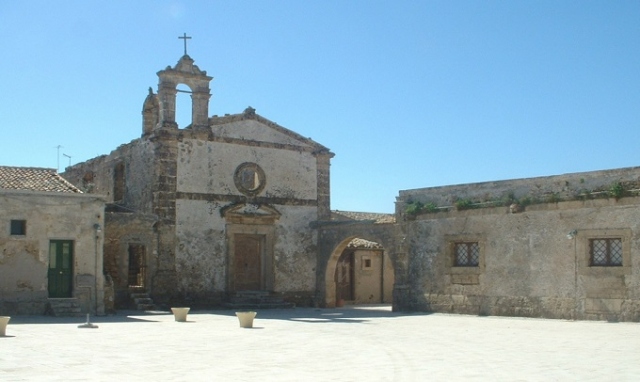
x: 196, y: 213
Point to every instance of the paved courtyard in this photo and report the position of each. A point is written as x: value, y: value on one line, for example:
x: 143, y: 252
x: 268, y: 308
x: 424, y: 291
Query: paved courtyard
x: 346, y: 344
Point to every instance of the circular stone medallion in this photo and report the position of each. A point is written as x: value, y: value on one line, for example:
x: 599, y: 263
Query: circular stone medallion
x: 249, y: 178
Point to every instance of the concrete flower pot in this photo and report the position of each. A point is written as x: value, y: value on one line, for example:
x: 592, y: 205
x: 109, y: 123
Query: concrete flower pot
x: 246, y: 319
x: 180, y: 314
x: 4, y: 320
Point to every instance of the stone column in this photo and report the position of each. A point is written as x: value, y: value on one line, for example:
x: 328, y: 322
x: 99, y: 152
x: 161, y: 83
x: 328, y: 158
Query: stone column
x: 167, y: 94
x: 200, y: 108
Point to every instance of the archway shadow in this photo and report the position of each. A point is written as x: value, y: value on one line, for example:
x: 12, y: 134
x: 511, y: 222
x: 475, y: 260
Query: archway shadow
x: 350, y: 314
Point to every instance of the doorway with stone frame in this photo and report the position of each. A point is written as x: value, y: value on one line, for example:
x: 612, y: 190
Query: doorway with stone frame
x: 248, y: 262
x: 136, y: 274
x: 250, y: 236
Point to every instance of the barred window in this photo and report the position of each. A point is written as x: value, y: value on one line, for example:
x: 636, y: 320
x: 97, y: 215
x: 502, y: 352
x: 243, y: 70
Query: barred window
x: 606, y: 252
x: 466, y: 254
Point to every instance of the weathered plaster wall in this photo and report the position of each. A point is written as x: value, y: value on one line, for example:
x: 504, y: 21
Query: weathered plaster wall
x: 201, y: 248
x: 249, y: 129
x: 528, y: 266
x: 24, y: 259
x: 209, y: 167
x: 295, y: 250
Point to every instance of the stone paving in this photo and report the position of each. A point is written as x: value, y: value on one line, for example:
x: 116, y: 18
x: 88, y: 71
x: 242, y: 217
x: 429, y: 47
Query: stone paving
x: 345, y: 344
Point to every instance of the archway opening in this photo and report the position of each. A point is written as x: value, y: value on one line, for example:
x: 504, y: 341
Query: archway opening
x: 359, y: 272
x: 184, y: 117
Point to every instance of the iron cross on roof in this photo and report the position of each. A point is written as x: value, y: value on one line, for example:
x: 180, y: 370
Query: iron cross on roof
x: 185, y: 38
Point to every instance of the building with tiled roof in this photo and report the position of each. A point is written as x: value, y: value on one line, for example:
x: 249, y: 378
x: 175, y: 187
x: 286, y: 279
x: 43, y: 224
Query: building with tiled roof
x: 50, y: 245
x: 34, y: 179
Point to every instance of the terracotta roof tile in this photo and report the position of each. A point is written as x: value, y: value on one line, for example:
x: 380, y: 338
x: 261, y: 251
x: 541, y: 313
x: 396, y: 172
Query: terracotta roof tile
x: 34, y: 179
x: 362, y: 243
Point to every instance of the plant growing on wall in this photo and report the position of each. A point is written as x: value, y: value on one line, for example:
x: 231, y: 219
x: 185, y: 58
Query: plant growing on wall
x: 616, y: 190
x: 553, y: 198
x: 414, y: 208
x: 464, y: 204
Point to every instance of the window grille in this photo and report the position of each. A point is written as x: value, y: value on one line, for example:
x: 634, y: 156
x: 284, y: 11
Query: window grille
x: 466, y: 254
x: 606, y: 252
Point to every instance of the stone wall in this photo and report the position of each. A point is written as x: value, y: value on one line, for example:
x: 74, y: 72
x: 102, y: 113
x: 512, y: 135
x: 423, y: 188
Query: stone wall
x: 574, y: 186
x: 534, y: 261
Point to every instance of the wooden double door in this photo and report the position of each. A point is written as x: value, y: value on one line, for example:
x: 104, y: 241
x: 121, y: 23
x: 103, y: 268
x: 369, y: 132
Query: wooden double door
x: 248, y: 264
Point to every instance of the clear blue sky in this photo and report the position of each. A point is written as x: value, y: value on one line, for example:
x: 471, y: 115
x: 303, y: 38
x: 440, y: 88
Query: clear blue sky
x: 407, y: 94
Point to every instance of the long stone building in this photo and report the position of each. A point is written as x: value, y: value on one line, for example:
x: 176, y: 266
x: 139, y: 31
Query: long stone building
x: 559, y: 247
x: 233, y: 203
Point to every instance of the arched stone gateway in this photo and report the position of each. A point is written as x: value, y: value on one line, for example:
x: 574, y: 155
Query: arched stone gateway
x: 334, y: 240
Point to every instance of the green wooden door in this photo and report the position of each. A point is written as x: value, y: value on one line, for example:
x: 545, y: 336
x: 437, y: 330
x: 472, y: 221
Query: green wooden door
x: 60, y: 268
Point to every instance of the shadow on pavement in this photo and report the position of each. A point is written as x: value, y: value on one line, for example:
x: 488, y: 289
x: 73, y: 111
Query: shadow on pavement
x: 120, y: 317
x: 348, y: 314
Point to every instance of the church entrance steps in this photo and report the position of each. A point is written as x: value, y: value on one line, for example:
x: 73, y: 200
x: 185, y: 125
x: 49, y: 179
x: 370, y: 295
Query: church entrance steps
x: 257, y: 300
x: 140, y: 299
x: 63, y: 307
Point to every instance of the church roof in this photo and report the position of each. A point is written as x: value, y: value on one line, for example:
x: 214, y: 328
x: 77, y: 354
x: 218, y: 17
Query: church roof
x: 34, y: 179
x: 377, y: 218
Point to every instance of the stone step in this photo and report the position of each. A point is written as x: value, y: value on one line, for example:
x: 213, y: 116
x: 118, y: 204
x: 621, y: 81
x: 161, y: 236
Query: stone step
x: 257, y: 300
x: 143, y: 300
x: 253, y: 293
x: 67, y: 307
x: 140, y: 299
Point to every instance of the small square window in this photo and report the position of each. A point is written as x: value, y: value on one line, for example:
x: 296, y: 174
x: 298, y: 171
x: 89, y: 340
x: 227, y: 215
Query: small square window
x: 605, y: 252
x: 366, y: 262
x: 466, y: 254
x: 18, y: 227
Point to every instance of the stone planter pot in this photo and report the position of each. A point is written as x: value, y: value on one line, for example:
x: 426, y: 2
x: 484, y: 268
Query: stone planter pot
x: 180, y: 314
x: 246, y: 319
x: 4, y: 320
